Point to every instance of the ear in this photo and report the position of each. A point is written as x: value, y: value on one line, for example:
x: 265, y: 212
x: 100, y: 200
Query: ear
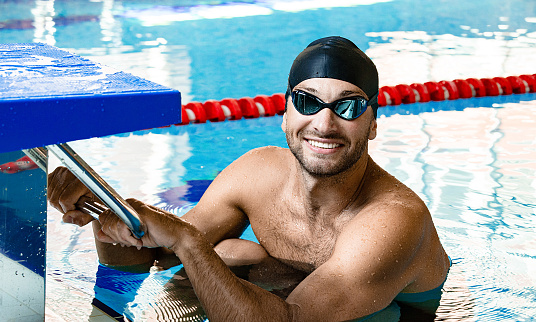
x: 373, y: 129
x: 284, y: 123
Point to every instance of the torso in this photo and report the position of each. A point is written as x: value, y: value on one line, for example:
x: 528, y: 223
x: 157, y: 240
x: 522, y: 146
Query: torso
x: 280, y: 223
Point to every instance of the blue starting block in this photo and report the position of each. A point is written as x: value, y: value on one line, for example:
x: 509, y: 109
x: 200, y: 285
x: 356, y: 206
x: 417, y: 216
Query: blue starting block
x: 50, y: 96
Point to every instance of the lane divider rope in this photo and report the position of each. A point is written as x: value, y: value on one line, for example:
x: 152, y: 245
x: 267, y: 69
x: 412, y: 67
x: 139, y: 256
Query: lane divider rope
x: 264, y: 105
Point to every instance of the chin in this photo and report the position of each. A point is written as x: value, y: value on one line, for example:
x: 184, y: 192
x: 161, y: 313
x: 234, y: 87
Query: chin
x: 325, y: 169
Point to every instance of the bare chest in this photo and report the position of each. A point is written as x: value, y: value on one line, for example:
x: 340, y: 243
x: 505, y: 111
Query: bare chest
x: 293, y: 239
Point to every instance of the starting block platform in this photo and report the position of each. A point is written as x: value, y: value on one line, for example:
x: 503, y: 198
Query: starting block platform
x: 50, y: 96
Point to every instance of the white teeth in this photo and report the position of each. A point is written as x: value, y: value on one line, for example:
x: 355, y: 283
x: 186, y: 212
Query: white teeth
x: 323, y: 145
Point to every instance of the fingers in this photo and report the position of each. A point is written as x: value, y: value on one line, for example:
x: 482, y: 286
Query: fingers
x: 77, y: 217
x: 64, y: 190
x: 113, y: 230
x: 160, y: 227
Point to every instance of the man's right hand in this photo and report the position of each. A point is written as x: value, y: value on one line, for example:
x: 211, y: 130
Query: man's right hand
x: 64, y: 190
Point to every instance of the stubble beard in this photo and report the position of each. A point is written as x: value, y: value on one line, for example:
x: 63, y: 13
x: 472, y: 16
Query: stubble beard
x: 321, y: 169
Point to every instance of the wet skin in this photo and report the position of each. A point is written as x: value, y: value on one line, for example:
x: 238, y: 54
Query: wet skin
x: 322, y: 207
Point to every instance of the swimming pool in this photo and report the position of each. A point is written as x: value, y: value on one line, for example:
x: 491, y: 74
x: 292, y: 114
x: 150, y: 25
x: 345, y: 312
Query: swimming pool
x: 473, y: 167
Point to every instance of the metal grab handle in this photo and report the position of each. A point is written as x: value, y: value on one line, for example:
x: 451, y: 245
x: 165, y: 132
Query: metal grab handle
x: 84, y: 204
x: 90, y: 207
x: 93, y: 182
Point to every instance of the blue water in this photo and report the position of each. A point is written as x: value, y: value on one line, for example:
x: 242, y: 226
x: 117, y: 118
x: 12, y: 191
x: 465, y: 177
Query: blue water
x: 250, y: 55
x: 472, y: 161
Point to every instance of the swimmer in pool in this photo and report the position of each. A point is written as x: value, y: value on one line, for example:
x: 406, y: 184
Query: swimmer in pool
x: 322, y: 207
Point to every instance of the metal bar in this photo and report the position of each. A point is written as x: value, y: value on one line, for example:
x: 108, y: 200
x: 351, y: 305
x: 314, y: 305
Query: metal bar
x: 90, y: 207
x: 94, y: 183
x: 98, y: 186
x: 86, y: 205
x: 39, y: 156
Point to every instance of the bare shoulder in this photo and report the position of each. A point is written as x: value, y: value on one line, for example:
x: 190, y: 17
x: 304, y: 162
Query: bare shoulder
x: 387, y: 193
x: 379, y: 252
x: 265, y: 154
x: 260, y: 162
x: 393, y: 208
x: 253, y: 173
x: 401, y: 236
x: 239, y: 188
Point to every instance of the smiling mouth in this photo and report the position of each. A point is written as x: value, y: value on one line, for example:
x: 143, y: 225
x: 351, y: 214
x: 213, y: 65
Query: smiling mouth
x: 323, y: 145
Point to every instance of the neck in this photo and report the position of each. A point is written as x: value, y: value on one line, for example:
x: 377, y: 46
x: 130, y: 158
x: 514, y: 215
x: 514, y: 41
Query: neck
x: 329, y: 196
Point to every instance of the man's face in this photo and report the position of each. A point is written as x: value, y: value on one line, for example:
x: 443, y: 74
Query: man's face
x: 324, y: 143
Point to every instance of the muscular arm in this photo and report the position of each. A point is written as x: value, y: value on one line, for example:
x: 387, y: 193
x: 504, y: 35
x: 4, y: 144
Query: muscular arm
x: 364, y: 274
x: 213, y: 216
x: 372, y: 262
x: 370, y: 265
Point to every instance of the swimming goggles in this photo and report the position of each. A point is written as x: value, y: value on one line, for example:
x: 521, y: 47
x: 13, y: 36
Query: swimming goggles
x: 348, y: 108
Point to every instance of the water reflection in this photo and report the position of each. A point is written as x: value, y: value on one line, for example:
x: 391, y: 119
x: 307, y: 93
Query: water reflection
x: 201, y: 51
x: 422, y: 56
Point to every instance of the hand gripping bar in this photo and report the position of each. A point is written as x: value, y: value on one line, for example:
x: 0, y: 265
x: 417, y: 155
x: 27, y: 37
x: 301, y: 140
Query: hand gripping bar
x: 100, y: 188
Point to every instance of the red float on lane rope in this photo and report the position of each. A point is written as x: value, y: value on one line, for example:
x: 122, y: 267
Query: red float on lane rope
x: 22, y: 164
x: 477, y: 86
x: 198, y: 110
x: 492, y: 88
x: 214, y: 111
x: 437, y: 91
x: 531, y: 82
x: 392, y: 97
x: 248, y: 107
x: 407, y: 95
x: 234, y: 108
x: 279, y: 103
x: 451, y: 88
x: 464, y: 88
x: 519, y: 86
x: 422, y: 91
x: 268, y: 108
x: 381, y: 98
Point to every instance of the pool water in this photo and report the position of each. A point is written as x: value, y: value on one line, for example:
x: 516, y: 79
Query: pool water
x: 245, y: 48
x: 472, y: 161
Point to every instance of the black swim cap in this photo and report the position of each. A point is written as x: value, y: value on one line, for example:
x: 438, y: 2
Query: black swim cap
x: 338, y: 58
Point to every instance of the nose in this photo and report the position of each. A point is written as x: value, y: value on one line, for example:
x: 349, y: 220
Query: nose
x: 324, y: 121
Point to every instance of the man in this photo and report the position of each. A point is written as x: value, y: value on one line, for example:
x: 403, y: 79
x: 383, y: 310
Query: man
x: 322, y: 207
